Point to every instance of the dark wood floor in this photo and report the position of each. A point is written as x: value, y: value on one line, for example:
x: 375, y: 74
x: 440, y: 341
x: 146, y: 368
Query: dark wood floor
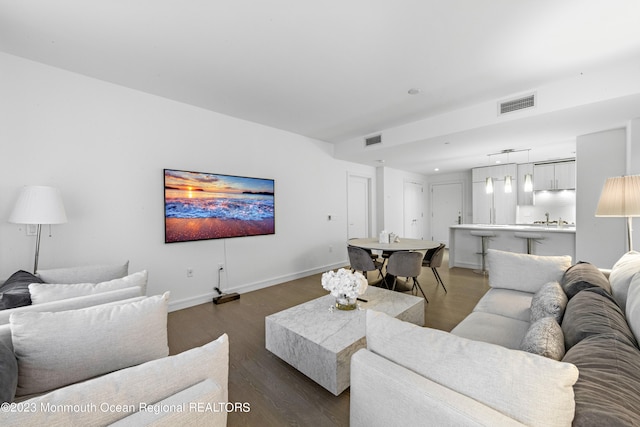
x: 278, y: 394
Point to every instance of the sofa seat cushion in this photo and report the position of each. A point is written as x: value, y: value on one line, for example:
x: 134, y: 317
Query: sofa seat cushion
x: 583, y: 276
x: 57, y: 349
x: 608, y: 390
x: 523, y: 272
x: 493, y: 328
x: 14, y: 292
x: 594, y: 312
x: 47, y: 292
x: 127, y: 389
x: 516, y: 379
x: 507, y: 303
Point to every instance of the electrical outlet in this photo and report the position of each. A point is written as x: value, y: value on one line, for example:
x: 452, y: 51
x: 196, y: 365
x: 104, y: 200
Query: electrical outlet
x: 189, y: 272
x: 220, y: 267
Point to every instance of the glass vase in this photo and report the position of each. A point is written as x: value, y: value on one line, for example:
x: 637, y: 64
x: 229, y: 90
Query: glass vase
x: 343, y: 302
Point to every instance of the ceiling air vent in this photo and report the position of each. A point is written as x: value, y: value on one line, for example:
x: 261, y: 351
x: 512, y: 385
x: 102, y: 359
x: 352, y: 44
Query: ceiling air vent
x: 373, y: 140
x: 525, y: 102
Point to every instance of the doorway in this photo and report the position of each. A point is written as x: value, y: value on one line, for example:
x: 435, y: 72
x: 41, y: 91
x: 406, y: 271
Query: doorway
x: 446, y: 209
x: 358, y: 206
x: 413, y: 210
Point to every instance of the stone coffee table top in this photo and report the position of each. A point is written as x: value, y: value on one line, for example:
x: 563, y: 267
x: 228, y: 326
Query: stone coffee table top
x: 319, y: 341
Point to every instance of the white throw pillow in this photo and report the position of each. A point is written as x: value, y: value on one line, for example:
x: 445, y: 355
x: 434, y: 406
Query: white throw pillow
x: 509, y: 381
x: 523, y: 272
x: 46, y: 292
x: 633, y: 306
x: 621, y: 274
x: 57, y: 349
x: 127, y: 389
x: 84, y: 274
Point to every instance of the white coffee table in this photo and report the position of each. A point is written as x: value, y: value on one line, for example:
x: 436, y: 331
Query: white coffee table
x: 319, y: 342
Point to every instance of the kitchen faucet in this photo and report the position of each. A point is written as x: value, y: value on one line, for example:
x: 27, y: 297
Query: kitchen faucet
x: 547, y: 215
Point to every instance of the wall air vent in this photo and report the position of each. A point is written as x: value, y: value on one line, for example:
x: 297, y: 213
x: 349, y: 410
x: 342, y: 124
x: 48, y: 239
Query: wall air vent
x: 511, y: 105
x: 373, y: 140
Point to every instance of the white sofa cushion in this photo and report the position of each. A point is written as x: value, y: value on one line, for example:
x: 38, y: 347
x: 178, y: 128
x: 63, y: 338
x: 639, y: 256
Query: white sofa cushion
x: 73, y: 303
x: 621, y: 274
x: 47, y: 292
x: 57, y: 349
x: 201, y: 404
x: 127, y: 389
x: 523, y: 272
x: 492, y: 328
x: 531, y: 389
x: 506, y: 302
x: 84, y: 274
x: 633, y: 306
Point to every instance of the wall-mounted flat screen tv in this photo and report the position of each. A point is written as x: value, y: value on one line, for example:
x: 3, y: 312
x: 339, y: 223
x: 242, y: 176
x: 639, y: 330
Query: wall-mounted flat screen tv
x: 200, y: 206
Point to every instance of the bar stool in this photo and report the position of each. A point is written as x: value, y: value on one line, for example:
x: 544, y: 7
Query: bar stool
x: 531, y: 239
x: 485, y: 235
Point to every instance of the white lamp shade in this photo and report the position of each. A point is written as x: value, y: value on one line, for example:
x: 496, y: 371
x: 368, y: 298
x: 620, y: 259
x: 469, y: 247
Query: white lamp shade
x: 620, y: 197
x: 39, y: 205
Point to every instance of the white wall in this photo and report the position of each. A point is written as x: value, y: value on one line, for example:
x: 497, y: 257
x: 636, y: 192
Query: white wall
x: 600, y: 241
x: 105, y: 147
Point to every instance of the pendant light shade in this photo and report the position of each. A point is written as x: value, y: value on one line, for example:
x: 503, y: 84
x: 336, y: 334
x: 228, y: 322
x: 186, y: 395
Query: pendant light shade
x: 489, y: 185
x: 528, y: 183
x: 507, y: 184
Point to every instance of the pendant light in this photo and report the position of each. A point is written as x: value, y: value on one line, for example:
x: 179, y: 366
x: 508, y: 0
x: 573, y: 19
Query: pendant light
x: 507, y: 178
x: 528, y: 178
x: 489, y: 185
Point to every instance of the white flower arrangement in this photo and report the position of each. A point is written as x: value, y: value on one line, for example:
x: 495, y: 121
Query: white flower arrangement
x: 344, y: 283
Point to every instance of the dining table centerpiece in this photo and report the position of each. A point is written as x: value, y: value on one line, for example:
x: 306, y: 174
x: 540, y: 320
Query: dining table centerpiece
x: 345, y: 286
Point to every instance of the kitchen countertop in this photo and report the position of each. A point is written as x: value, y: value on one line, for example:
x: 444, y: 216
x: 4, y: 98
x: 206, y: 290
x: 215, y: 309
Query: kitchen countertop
x: 518, y: 227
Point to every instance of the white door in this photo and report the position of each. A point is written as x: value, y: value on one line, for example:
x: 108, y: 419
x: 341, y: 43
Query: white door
x: 413, y: 213
x: 446, y: 209
x: 358, y: 206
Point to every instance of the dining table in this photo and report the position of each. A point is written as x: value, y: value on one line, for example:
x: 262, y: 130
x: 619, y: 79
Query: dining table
x: 399, y: 244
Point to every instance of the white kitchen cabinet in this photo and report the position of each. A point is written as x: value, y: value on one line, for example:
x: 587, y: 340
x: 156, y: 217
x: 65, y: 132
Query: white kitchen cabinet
x: 497, y: 207
x: 554, y: 176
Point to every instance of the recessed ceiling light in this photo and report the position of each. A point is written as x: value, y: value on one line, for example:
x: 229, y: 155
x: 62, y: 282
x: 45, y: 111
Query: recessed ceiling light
x: 436, y: 169
x: 413, y: 91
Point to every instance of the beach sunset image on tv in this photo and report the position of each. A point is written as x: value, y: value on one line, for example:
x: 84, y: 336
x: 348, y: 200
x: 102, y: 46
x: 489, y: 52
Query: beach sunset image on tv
x: 200, y: 206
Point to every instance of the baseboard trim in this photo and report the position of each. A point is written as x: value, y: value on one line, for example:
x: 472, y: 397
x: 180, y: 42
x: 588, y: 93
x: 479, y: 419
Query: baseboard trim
x: 206, y: 298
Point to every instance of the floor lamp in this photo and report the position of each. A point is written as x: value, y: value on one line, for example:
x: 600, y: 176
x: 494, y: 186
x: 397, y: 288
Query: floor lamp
x: 621, y: 198
x: 38, y: 205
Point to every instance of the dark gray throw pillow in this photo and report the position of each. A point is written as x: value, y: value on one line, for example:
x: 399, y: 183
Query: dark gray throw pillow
x: 594, y: 312
x: 8, y: 374
x: 607, y: 392
x: 15, y: 291
x: 583, y: 276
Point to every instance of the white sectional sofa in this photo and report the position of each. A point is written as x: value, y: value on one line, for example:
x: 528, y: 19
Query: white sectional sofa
x: 99, y: 359
x: 526, y: 355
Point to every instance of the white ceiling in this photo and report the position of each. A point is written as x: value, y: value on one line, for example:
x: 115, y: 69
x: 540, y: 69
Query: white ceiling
x: 335, y: 70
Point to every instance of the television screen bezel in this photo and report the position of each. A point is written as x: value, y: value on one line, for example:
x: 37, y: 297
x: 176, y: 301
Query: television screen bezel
x: 164, y: 175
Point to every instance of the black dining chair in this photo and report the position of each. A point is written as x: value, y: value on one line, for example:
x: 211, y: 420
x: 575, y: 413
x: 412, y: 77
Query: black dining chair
x: 406, y: 264
x: 433, y: 259
x: 361, y: 260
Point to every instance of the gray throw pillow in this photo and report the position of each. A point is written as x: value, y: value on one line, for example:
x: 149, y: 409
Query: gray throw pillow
x: 544, y: 338
x: 550, y: 300
x: 14, y: 292
x: 583, y: 276
x: 8, y: 374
